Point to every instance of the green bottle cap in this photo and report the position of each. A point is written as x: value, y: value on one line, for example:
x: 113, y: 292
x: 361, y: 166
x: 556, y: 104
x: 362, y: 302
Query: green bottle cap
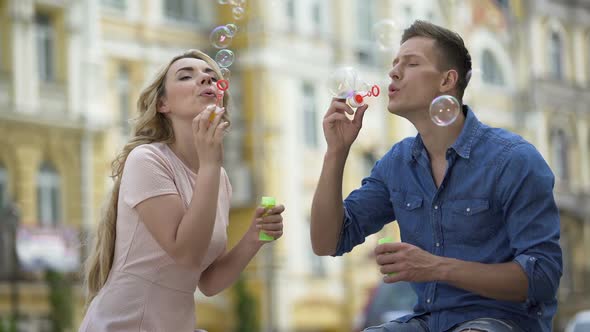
x: 268, y: 201
x: 387, y: 239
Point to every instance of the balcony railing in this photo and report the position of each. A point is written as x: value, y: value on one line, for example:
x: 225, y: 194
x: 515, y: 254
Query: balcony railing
x: 53, y: 99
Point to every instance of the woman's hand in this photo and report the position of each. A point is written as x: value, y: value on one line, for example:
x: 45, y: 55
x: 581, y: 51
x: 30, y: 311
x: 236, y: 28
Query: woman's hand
x: 268, y: 221
x: 208, y: 136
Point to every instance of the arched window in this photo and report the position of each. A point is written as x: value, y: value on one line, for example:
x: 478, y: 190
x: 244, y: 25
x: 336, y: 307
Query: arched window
x: 3, y: 186
x: 310, y: 119
x: 560, y: 155
x: 6, y: 237
x: 491, y: 71
x: 123, y: 90
x: 556, y: 55
x: 48, y: 195
x: 588, y: 58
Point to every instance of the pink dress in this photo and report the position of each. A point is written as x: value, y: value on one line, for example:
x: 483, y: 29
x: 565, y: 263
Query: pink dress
x: 146, y: 290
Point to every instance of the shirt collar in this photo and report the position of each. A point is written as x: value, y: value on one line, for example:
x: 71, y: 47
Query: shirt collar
x: 464, y: 142
x: 468, y: 135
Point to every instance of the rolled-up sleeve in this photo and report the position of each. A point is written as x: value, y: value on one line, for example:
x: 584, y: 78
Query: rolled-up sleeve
x: 366, y: 210
x: 526, y: 190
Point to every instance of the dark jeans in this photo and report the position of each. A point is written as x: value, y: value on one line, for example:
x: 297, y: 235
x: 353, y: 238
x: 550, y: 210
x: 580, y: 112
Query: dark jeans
x: 476, y: 325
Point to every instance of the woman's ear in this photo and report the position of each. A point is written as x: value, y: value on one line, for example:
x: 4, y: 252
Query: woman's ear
x: 162, y: 105
x: 449, y: 81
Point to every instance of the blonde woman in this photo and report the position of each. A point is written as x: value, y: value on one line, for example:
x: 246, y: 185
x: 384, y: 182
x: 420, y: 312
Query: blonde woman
x: 164, y: 233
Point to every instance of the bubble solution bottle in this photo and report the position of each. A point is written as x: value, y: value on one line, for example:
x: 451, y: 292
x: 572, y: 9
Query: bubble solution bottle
x: 267, y: 203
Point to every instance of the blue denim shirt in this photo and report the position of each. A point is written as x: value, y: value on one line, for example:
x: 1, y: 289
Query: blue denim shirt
x: 494, y: 205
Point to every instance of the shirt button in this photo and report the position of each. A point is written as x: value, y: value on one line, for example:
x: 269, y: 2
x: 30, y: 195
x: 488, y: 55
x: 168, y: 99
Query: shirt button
x: 532, y: 259
x: 468, y: 209
x: 436, y: 207
x: 428, y: 301
x: 408, y: 205
x: 540, y: 313
x: 438, y: 244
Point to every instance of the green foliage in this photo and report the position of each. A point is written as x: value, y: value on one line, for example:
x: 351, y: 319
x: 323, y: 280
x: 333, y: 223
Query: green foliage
x: 246, y: 308
x: 8, y: 325
x: 60, y: 300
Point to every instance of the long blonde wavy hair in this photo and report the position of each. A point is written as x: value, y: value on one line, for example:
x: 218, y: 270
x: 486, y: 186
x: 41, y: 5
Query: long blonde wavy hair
x: 149, y: 126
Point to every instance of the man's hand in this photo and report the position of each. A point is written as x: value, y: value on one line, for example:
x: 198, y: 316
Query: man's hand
x: 405, y: 262
x: 339, y: 130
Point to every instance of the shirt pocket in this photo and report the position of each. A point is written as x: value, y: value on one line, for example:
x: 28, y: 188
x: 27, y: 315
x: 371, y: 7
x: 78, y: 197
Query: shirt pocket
x: 409, y: 213
x: 471, y: 222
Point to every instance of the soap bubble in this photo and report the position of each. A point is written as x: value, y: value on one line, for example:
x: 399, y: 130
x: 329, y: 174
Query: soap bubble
x: 225, y: 73
x: 386, y: 33
x: 220, y: 37
x: 342, y: 82
x: 232, y: 29
x: 444, y: 110
x: 238, y: 13
x: 224, y: 58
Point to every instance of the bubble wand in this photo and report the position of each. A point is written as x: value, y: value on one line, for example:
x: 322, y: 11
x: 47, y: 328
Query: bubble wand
x: 357, y: 99
x: 222, y: 85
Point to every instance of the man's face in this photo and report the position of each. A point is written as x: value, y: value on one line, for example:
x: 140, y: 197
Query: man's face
x: 415, y: 78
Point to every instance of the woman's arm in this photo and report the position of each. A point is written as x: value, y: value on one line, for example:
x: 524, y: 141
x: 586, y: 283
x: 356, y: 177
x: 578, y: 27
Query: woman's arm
x: 185, y: 236
x: 226, y: 269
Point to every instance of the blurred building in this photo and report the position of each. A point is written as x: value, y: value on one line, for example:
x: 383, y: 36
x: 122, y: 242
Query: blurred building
x: 292, y: 49
x: 70, y: 72
x: 531, y: 76
x: 532, y: 61
x: 52, y: 147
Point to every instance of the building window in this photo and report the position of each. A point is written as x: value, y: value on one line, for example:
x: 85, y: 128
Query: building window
x: 430, y: 16
x: 48, y: 195
x: 309, y: 116
x: 408, y: 16
x: 316, y: 15
x: 3, y: 186
x: 365, y: 18
x: 6, y: 239
x: 45, y: 34
x: 1, y: 48
x: 184, y: 10
x: 290, y: 11
x: 556, y: 55
x: 115, y: 4
x: 369, y: 159
x: 491, y: 72
x: 502, y: 3
x: 123, y: 98
x: 560, y: 154
x: 317, y: 266
x: 588, y: 59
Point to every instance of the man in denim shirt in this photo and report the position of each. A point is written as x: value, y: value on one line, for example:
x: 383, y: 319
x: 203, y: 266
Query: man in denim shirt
x: 475, y: 206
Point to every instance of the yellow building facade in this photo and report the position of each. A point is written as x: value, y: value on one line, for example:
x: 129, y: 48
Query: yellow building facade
x: 70, y: 73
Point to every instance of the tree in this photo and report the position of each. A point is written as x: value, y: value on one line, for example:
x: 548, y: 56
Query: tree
x: 246, y: 308
x: 61, y: 301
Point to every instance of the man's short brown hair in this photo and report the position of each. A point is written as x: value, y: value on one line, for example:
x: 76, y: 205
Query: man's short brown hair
x: 453, y: 53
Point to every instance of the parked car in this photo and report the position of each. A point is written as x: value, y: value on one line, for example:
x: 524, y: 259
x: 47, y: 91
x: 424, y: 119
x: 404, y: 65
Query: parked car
x: 580, y: 322
x: 386, y: 303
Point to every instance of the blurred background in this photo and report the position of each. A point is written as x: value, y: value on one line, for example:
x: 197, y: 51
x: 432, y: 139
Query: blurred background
x: 71, y: 71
